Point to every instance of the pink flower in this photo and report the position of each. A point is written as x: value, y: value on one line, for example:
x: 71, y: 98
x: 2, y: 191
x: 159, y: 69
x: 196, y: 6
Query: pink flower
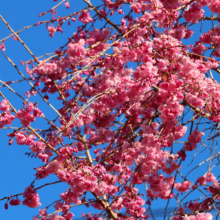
x: 103, y: 12
x: 195, y: 101
x: 6, y: 119
x: 188, y: 34
x: 76, y: 49
x: 26, y: 119
x: 194, y: 206
x: 43, y: 156
x: 190, y: 147
x: 2, y: 46
x: 196, y: 137
x: 38, y: 147
x: 42, y: 212
x: 201, y: 180
x: 214, y: 6
x: 53, y: 167
x: 106, y: 32
x: 136, y: 7
x: 209, y: 177
x: 120, y: 11
x: 193, y: 14
x: 4, y: 106
x: 202, y: 3
x: 169, y: 170
x: 37, y: 112
x: 47, y: 69
x: 25, y: 116
x: 51, y: 30
x: 22, y: 139
x: 182, y: 187
x: 56, y: 217
x: 182, y: 154
x: 199, y: 48
x: 31, y: 198
x: 180, y: 131
x: 67, y: 4
x: 15, y: 202
x: 85, y: 18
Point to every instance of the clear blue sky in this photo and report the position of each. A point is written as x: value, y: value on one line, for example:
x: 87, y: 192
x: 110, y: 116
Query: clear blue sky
x: 16, y: 168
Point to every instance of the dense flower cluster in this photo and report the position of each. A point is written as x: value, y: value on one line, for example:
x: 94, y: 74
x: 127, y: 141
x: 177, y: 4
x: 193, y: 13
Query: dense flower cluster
x: 6, y: 118
x: 123, y: 99
x: 25, y: 116
x: 31, y: 198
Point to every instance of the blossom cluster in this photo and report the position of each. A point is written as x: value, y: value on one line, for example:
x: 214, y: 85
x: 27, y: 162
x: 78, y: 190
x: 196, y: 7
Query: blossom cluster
x: 123, y: 99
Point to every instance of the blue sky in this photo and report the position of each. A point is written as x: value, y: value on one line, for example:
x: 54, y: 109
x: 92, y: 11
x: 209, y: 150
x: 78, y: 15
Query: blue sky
x: 16, y: 168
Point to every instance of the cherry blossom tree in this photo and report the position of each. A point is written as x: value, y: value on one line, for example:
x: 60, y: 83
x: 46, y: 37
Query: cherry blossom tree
x: 138, y: 105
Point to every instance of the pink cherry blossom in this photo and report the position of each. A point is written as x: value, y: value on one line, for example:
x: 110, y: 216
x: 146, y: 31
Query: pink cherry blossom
x: 4, y: 106
x: 85, y: 17
x: 193, y: 14
x: 6, y: 119
x: 31, y: 198
x: 183, y: 187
